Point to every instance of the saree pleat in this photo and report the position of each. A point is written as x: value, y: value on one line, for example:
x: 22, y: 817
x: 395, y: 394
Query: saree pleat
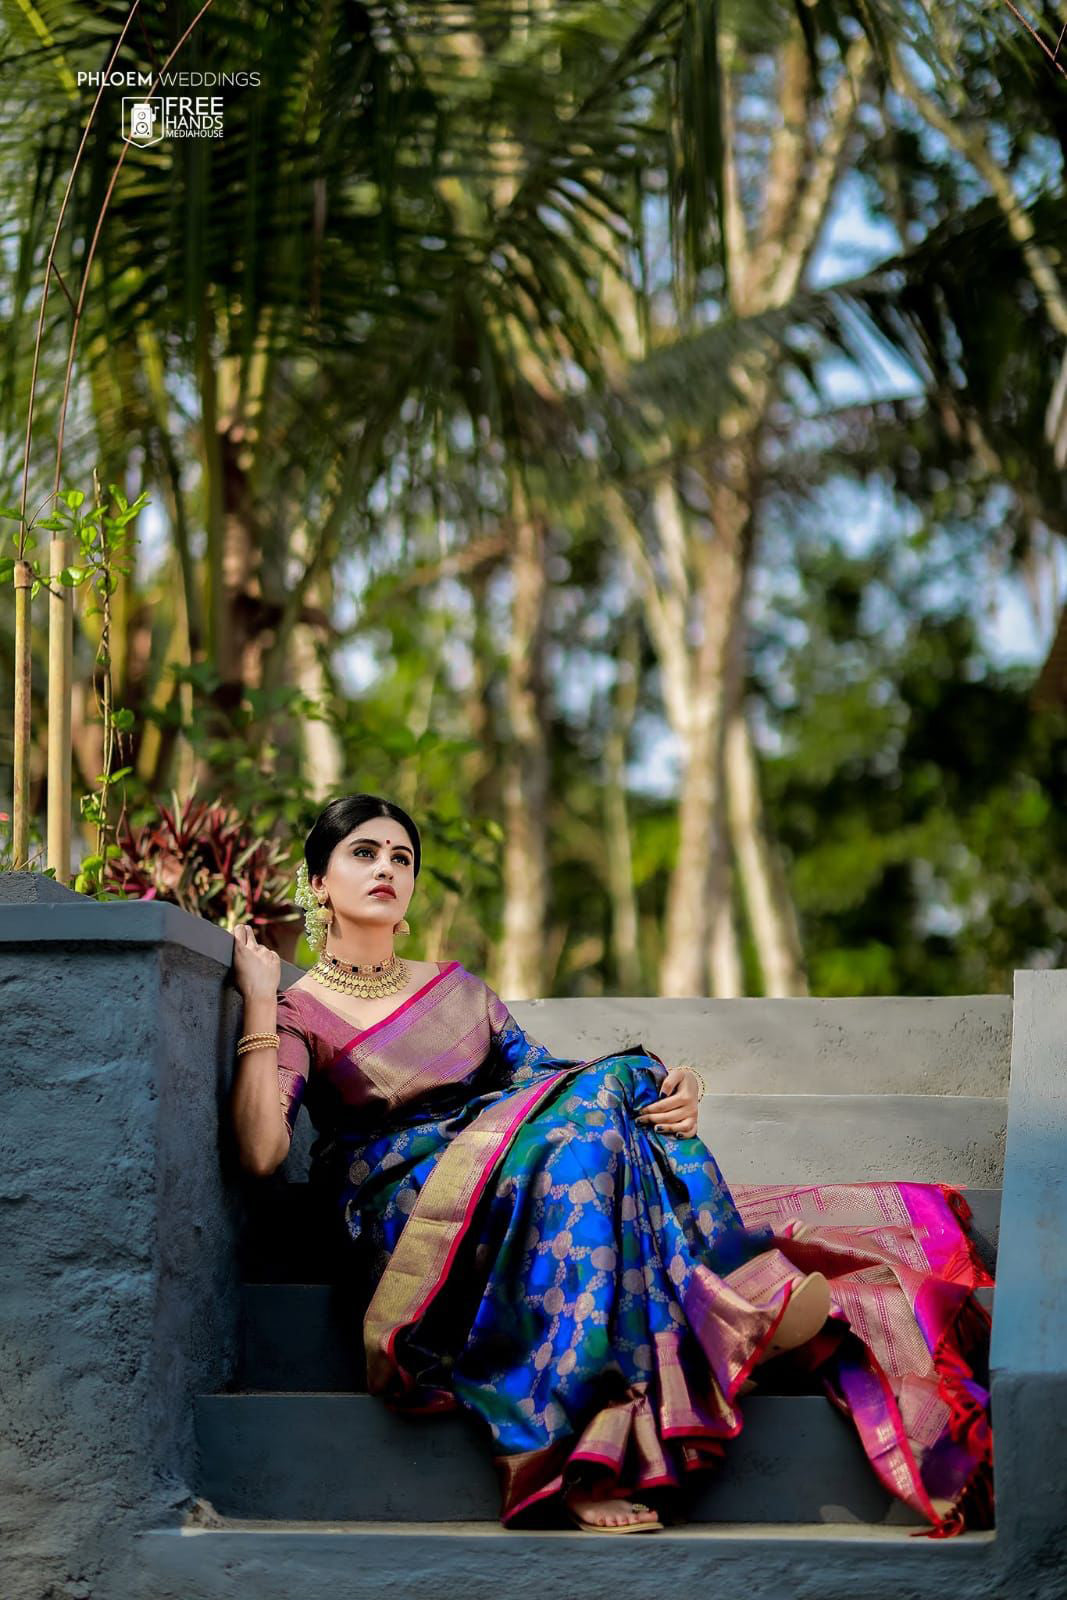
x: 594, y: 1293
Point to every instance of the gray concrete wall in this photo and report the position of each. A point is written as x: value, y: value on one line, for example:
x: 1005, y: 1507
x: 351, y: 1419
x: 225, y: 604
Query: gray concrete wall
x: 948, y: 1045
x: 119, y: 1208
x: 1029, y: 1352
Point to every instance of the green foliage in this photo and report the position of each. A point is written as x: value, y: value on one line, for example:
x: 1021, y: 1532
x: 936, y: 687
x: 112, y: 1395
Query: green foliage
x: 205, y: 857
x: 921, y: 800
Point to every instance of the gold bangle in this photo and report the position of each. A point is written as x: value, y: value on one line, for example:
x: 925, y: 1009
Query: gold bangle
x: 256, y: 1041
x: 699, y: 1076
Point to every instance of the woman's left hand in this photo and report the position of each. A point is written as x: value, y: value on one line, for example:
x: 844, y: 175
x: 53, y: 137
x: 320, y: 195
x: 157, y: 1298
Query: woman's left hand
x: 676, y: 1109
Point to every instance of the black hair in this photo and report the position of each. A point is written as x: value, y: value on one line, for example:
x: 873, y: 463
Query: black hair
x: 339, y: 818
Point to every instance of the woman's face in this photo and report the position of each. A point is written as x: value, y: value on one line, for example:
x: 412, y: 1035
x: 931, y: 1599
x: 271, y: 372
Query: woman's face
x: 374, y: 858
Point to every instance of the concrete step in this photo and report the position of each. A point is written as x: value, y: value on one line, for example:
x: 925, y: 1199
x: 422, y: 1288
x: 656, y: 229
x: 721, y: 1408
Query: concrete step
x: 882, y: 1044
x: 324, y: 1457
x: 235, y: 1559
x: 291, y: 1236
x: 856, y: 1138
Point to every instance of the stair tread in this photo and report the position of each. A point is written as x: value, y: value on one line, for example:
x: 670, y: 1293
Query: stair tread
x: 853, y: 1532
x: 482, y: 1560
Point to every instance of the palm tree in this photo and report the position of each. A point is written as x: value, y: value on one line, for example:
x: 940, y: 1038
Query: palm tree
x: 406, y: 239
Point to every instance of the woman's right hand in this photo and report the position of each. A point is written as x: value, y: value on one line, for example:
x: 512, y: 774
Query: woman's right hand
x: 257, y: 971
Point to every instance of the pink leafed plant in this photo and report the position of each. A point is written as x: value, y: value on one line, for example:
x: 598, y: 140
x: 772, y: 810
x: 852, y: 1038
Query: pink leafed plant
x: 203, y: 856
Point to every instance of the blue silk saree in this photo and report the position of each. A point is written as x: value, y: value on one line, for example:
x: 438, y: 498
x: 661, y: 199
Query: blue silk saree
x: 590, y: 1289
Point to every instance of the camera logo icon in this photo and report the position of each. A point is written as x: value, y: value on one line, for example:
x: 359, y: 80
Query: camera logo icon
x: 142, y: 121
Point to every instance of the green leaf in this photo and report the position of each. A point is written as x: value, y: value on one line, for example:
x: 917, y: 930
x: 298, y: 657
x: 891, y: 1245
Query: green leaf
x: 73, y: 498
x: 123, y: 719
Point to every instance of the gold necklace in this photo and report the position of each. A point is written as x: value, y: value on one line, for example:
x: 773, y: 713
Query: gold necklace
x: 368, y: 982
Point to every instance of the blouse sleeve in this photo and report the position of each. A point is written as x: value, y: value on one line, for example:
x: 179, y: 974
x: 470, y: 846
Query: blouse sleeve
x: 294, y: 1061
x: 519, y: 1054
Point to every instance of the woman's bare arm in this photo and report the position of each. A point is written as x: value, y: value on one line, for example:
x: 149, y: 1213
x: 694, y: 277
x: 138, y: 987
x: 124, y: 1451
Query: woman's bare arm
x: 255, y: 1104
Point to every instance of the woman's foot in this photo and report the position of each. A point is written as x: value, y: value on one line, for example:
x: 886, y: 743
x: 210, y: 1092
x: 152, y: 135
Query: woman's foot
x: 808, y: 1309
x: 608, y: 1515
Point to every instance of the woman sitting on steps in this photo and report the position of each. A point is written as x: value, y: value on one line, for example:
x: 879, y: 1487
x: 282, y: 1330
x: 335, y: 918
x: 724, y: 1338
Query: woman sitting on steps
x: 552, y: 1247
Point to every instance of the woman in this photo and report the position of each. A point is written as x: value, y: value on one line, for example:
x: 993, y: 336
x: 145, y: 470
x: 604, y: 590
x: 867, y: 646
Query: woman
x: 548, y: 1242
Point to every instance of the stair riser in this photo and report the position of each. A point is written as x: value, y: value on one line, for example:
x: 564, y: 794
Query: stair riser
x: 346, y: 1457
x: 299, y: 1336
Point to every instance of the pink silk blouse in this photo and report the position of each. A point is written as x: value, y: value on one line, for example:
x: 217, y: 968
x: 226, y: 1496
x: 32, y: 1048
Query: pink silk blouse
x: 438, y: 1035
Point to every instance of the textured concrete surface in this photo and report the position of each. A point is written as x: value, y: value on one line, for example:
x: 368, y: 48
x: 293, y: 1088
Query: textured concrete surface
x: 853, y: 1138
x: 1029, y: 1351
x: 120, y: 1210
x: 485, y: 1562
x: 959, y: 1044
x: 33, y: 888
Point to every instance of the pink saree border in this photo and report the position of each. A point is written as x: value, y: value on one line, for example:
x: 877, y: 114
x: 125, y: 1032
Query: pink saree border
x: 941, y: 1210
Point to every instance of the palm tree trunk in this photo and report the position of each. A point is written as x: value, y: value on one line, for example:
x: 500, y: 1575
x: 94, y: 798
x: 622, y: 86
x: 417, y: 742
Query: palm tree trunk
x: 725, y: 968
x: 60, y: 665
x: 770, y: 910
x: 689, y: 904
x: 480, y: 764
x: 617, y: 847
x: 521, y: 963
x: 320, y: 750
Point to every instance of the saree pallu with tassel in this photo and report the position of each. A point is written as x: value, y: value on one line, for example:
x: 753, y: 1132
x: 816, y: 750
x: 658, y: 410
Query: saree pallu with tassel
x: 594, y: 1293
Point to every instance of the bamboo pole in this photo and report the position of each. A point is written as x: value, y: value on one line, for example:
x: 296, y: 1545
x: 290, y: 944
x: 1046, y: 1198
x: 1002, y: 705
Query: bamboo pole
x: 60, y: 677
x: 20, y: 820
